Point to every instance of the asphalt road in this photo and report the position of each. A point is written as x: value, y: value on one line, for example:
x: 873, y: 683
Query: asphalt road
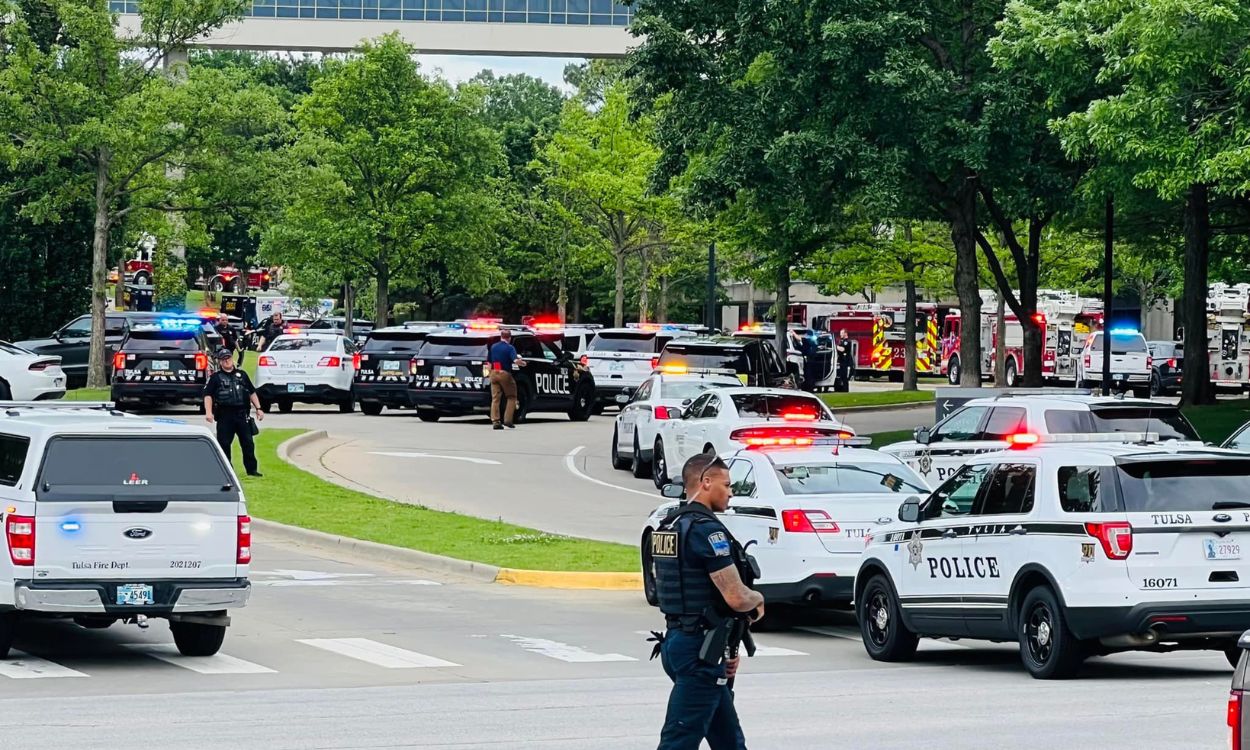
x: 336, y: 655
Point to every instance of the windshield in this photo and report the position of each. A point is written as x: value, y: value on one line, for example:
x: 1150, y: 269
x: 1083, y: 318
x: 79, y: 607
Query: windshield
x: 1195, y: 484
x: 131, y: 465
x: 1122, y: 343
x: 643, y: 341
x: 690, y: 389
x: 1167, y: 421
x: 303, y: 344
x: 403, y: 341
x: 161, y: 341
x: 455, y: 346
x: 772, y: 405
x: 705, y: 358
x: 844, y: 479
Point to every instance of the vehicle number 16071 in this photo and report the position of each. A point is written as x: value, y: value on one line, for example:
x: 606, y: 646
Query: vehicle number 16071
x: 1158, y: 583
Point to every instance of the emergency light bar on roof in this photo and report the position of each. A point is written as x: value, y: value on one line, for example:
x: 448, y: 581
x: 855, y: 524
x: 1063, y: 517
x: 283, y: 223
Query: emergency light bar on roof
x: 683, y: 370
x: 1026, y: 439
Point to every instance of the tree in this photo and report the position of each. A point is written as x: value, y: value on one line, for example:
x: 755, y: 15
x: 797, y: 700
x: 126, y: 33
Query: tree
x: 79, y: 94
x: 392, y: 176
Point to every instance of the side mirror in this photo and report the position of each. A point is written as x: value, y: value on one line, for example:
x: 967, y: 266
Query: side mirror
x: 909, y: 511
x: 622, y: 398
x: 673, y: 491
x: 923, y: 435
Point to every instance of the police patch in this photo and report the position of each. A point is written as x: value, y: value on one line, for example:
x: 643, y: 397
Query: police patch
x: 664, y: 544
x: 720, y: 545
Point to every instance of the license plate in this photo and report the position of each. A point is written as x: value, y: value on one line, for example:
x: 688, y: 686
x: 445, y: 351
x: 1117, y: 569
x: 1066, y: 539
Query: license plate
x: 134, y: 594
x: 616, y: 366
x: 390, y: 366
x: 446, y: 371
x: 294, y: 387
x: 1221, y: 549
x: 160, y: 365
x: 1118, y: 376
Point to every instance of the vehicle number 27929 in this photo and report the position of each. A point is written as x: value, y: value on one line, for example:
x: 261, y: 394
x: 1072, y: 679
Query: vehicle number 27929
x: 1158, y: 583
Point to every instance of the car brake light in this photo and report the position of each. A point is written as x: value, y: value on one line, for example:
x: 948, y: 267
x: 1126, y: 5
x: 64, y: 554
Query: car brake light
x: 1172, y: 362
x: 1022, y: 440
x: 809, y: 522
x: 266, y: 361
x: 244, y: 543
x: 1116, y: 538
x: 356, y: 361
x: 119, y: 361
x: 655, y: 362
x: 201, y: 361
x: 798, y: 416
x: 330, y: 362
x: 1150, y: 361
x: 1087, y: 360
x: 42, y: 365
x: 667, y: 412
x: 20, y: 531
x: 1234, y: 717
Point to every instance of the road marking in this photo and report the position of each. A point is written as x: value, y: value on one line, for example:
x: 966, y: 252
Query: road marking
x: 778, y: 651
x: 23, y: 666
x: 391, y: 657
x: 468, y: 459
x: 835, y: 631
x: 572, y: 467
x: 216, y: 664
x: 562, y: 651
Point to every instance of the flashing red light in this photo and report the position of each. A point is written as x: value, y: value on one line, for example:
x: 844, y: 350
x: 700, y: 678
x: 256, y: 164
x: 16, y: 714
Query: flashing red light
x: 799, y: 416
x: 546, y: 325
x: 20, y: 531
x: 356, y: 361
x: 482, y: 325
x: 243, y: 543
x: 667, y: 412
x: 119, y: 361
x: 266, y: 361
x: 292, y: 330
x: 782, y: 437
x: 655, y: 362
x: 1116, y: 538
x: 201, y: 361
x: 330, y: 362
x: 1022, y: 440
x: 777, y: 442
x: 808, y: 522
x: 1172, y: 362
x: 1234, y: 718
x: 1039, y: 318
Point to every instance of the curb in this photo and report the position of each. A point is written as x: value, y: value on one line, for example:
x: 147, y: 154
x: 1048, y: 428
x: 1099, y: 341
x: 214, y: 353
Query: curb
x: 285, y: 448
x: 556, y: 579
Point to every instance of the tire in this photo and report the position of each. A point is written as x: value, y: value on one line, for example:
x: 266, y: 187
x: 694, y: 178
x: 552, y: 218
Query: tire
x: 348, y: 406
x: 371, y: 408
x: 197, y: 639
x: 6, y: 393
x: 1233, y: 654
x: 885, y: 636
x: 709, y: 449
x: 143, y: 278
x: 638, y: 467
x: 94, y: 623
x: 583, y: 404
x: 1010, y: 375
x: 649, y: 589
x: 1156, y: 385
x: 1047, y: 647
x: 266, y: 406
x: 953, y: 371
x: 522, y: 406
x: 428, y: 416
x: 1141, y: 393
x: 285, y: 405
x: 659, y: 465
x: 238, y: 285
x: 8, y: 628
x: 618, y: 462
x: 217, y: 285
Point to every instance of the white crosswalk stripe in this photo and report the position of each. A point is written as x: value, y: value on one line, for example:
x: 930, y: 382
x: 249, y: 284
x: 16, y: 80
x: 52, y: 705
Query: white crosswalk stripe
x: 777, y: 651
x: 834, y: 631
x: 562, y: 651
x: 380, y: 654
x: 216, y: 664
x: 23, y: 666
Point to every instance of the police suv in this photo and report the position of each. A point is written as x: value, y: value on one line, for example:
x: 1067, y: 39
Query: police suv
x: 111, y: 517
x: 382, y: 368
x: 804, y: 514
x: 986, y: 425
x: 162, y: 363
x: 450, y: 375
x: 1071, y: 548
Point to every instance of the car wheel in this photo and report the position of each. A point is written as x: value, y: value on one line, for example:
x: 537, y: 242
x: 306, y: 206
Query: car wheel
x: 428, y: 416
x: 1047, y: 648
x: 1156, y: 386
x: 649, y: 588
x: 197, y: 639
x: 6, y: 393
x: 885, y: 636
x: 217, y: 285
x: 1141, y: 393
x: 1010, y: 376
x: 952, y: 371
x: 238, y: 285
x: 8, y: 627
x: 1233, y: 654
x: 638, y: 467
x: 348, y: 406
x: 659, y: 466
x: 709, y: 449
x: 583, y: 404
x: 372, y: 408
x: 285, y: 405
x: 618, y: 462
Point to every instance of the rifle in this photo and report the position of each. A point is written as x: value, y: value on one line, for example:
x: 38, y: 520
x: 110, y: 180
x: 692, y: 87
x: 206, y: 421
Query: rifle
x: 730, y: 631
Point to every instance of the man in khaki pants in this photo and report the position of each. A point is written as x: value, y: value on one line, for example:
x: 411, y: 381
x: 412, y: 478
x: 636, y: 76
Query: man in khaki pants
x: 502, y: 384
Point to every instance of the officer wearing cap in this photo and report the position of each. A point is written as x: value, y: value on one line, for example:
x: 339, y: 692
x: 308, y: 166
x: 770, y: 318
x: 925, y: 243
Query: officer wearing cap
x: 695, y: 573
x: 228, y: 394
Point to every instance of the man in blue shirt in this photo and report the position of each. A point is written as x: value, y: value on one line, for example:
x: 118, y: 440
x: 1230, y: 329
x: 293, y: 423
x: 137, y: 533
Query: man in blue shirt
x: 502, y: 385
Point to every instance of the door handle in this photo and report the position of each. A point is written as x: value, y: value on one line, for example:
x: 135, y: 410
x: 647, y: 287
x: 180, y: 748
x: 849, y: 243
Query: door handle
x: 949, y: 534
x: 1019, y: 531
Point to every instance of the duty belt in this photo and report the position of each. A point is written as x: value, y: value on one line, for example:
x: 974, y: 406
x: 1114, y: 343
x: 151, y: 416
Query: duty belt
x: 686, y: 623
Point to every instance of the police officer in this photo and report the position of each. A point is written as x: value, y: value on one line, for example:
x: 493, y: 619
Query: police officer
x: 227, y: 396
x: 845, y: 359
x: 695, y: 572
x: 270, y: 330
x: 501, y: 357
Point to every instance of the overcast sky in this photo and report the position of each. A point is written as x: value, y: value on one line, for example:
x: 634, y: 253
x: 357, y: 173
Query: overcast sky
x: 456, y: 68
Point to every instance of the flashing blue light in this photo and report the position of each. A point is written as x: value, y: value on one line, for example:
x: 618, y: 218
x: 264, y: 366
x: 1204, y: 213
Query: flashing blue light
x: 180, y: 324
x: 70, y: 526
x: 1124, y: 331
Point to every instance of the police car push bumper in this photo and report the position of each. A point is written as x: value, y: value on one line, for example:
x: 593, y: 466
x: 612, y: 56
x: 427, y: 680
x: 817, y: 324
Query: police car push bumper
x: 388, y: 393
x: 168, y: 596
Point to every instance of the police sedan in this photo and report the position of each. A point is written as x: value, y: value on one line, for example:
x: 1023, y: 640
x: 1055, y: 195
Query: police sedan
x: 725, y: 419
x: 804, y: 514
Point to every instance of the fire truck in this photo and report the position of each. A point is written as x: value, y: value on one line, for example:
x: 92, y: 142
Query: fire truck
x: 1228, y: 335
x: 878, y: 337
x: 140, y: 270
x: 1066, y: 318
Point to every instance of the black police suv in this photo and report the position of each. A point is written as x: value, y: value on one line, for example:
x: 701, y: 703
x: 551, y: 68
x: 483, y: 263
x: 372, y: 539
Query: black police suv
x: 382, y: 368
x: 1167, y: 357
x: 72, y: 342
x: 161, y: 364
x: 755, y: 361
x: 448, y: 376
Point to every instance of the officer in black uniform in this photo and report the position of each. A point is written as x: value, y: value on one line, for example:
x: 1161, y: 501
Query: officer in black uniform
x: 227, y: 396
x: 845, y: 360
x: 695, y: 572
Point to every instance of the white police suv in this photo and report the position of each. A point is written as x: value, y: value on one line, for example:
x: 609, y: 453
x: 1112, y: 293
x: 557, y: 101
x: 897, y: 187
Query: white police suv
x: 986, y: 425
x: 659, y: 398
x: 1072, y: 549
x: 111, y: 517
x: 804, y: 514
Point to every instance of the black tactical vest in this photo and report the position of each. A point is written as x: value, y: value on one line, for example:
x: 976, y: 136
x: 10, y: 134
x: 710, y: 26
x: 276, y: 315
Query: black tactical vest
x: 231, y: 393
x: 683, y: 586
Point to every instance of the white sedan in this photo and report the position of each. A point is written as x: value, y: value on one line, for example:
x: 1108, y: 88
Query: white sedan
x: 725, y: 419
x: 659, y: 398
x: 310, y: 368
x: 804, y: 514
x: 26, y: 376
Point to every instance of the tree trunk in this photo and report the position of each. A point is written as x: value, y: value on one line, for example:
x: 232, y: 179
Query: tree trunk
x: 577, y: 304
x: 562, y: 299
x: 644, y: 312
x: 1000, y: 341
x: 1196, y: 385
x: 349, y: 306
x: 967, y: 285
x: 618, y: 314
x: 382, y: 304
x: 99, y: 257
x: 781, y: 339
x: 910, y: 377
x: 661, y: 305
x: 750, y: 302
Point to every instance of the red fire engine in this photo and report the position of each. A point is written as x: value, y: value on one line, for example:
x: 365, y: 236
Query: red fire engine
x: 140, y: 270
x: 878, y: 337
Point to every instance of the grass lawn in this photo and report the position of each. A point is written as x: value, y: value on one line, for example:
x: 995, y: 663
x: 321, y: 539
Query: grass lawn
x: 292, y: 496
x: 892, y: 436
x: 875, y: 398
x: 1216, y: 422
x: 88, y: 394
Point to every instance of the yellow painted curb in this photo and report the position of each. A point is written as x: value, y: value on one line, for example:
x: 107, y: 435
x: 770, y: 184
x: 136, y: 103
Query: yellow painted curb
x: 563, y: 579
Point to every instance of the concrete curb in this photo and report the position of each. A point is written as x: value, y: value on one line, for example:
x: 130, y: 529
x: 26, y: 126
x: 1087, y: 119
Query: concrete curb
x: 312, y: 436
x: 557, y: 579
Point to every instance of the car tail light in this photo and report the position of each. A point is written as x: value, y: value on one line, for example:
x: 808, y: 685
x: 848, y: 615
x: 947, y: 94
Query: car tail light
x: 1087, y: 360
x: 266, y: 361
x: 1172, y: 362
x: 808, y: 522
x: 119, y: 361
x: 667, y: 412
x: 355, y: 361
x: 585, y: 361
x: 244, y: 543
x: 1234, y: 718
x: 413, y: 364
x: 330, y: 362
x: 201, y: 361
x: 798, y: 416
x: 1022, y: 440
x: 42, y: 365
x: 20, y: 531
x: 655, y: 362
x: 1116, y: 538
x: 1150, y: 361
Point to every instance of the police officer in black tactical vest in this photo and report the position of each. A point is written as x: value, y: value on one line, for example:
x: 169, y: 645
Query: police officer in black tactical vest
x: 699, y: 585
x: 227, y: 396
